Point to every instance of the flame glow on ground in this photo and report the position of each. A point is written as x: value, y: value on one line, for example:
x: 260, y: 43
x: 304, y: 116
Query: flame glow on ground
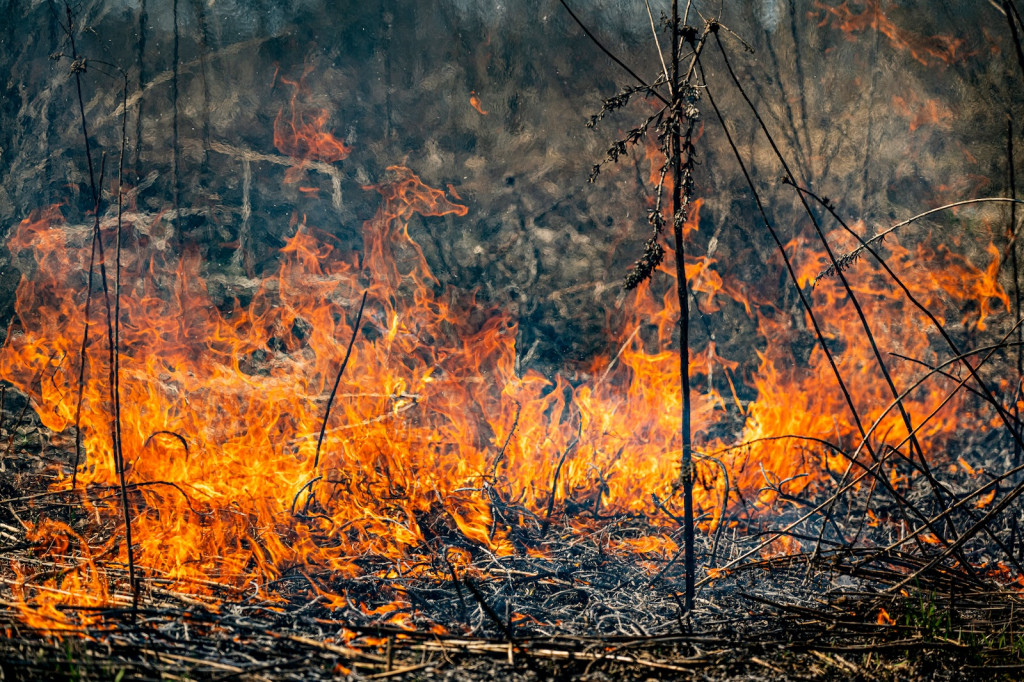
x: 435, y: 445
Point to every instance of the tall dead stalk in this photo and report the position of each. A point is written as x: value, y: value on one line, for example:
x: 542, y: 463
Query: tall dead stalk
x: 674, y: 124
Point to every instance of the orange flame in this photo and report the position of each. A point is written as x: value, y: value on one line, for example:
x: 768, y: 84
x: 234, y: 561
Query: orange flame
x: 781, y: 546
x: 925, y: 49
x: 302, y: 135
x: 930, y: 112
x: 474, y: 101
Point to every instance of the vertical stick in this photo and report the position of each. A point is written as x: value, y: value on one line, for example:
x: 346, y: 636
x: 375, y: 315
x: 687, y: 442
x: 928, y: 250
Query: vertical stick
x: 77, y: 69
x: 92, y: 257
x: 175, y: 155
x: 1017, y: 452
x: 678, y: 217
x: 115, y: 342
x: 337, y: 381
x: 82, y: 363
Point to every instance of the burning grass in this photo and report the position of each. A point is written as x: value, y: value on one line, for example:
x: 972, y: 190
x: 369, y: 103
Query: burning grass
x: 436, y: 449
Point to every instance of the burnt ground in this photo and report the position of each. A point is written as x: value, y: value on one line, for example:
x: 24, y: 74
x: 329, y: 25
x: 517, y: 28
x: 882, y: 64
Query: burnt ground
x: 755, y: 645
x: 584, y: 611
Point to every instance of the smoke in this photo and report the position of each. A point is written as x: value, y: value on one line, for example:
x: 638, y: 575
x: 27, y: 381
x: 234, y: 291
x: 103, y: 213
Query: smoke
x: 615, y: 17
x: 768, y: 14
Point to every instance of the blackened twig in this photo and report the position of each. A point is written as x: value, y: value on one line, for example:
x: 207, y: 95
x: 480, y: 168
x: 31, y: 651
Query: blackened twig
x: 458, y: 585
x: 487, y: 609
x: 77, y: 71
x: 1018, y: 450
x: 846, y: 259
x: 611, y: 56
x: 173, y: 434
x: 337, y: 381
x: 307, y: 484
x: 554, y: 484
x: 82, y: 360
x: 724, y: 505
x: 680, y: 204
x: 501, y: 453
x: 77, y: 68
x: 1011, y: 13
x: 115, y: 333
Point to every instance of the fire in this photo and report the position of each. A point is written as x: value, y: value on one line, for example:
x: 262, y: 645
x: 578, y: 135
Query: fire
x: 302, y: 134
x: 474, y: 101
x: 435, y: 446
x: 781, y: 546
x: 925, y: 49
x: 81, y: 582
x: 985, y: 500
x: 930, y: 113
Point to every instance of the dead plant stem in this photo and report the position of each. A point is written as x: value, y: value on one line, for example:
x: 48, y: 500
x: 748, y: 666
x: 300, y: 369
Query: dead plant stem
x: 679, y: 210
x: 337, y: 380
x: 1018, y: 450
